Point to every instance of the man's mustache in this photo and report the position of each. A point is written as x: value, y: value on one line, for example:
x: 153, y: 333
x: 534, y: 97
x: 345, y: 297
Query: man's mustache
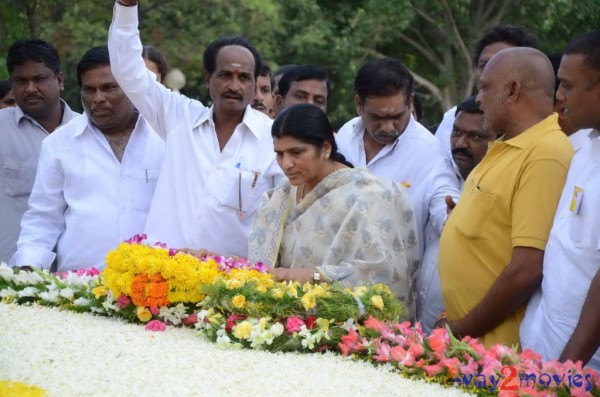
x: 462, y: 151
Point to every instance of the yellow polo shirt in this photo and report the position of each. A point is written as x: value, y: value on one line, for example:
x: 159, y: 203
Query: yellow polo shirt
x: 508, y: 201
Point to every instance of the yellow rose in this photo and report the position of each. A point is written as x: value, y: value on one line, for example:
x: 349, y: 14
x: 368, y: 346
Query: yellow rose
x: 277, y: 293
x: 144, y: 314
x: 382, y: 288
x: 239, y: 301
x: 308, y: 301
x: 261, y: 288
x: 377, y: 302
x: 292, y: 291
x: 318, y: 290
x: 242, y: 330
x: 100, y: 291
x: 360, y: 291
x: 233, y: 283
x: 323, y: 324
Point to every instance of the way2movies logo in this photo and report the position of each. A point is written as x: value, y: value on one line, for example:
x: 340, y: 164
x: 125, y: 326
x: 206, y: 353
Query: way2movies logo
x: 510, y: 379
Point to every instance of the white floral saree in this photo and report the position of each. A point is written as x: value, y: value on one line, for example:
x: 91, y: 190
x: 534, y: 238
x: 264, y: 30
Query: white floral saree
x: 355, y: 227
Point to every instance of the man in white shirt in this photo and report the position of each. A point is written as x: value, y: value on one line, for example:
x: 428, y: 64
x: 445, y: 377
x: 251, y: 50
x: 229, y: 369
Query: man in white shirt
x: 577, y: 137
x: 36, y: 80
x: 219, y: 160
x: 468, y: 144
x: 563, y: 317
x: 95, y: 178
x: 386, y: 139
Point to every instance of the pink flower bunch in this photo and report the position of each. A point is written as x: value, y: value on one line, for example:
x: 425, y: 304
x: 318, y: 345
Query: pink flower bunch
x: 90, y: 272
x: 226, y: 264
x: 499, y: 370
x: 140, y: 238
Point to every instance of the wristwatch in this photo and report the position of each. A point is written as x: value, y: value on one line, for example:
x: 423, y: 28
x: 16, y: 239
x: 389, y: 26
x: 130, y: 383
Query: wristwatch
x: 316, y: 276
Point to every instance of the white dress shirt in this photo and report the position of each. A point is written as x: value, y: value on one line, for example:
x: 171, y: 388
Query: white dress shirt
x: 84, y: 201
x: 581, y: 137
x: 20, y: 142
x: 571, y: 260
x: 415, y: 160
x: 205, y: 197
x: 444, y: 131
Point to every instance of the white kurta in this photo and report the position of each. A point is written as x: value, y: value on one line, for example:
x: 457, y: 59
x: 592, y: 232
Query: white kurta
x: 84, y: 201
x: 571, y: 260
x: 205, y: 197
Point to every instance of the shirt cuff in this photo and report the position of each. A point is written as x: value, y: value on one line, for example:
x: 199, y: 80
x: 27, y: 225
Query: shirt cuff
x: 33, y: 257
x: 529, y: 242
x: 126, y: 16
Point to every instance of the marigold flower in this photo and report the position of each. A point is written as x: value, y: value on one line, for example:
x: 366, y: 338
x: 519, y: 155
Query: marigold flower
x: 377, y: 302
x: 144, y: 314
x: 239, y: 301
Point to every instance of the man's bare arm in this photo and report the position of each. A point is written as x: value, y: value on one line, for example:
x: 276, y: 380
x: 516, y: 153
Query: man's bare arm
x: 512, y: 289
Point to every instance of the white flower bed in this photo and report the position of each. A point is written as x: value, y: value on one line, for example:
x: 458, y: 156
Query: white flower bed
x: 70, y: 354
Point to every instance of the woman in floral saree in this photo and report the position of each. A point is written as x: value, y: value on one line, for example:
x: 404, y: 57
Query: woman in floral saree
x: 331, y: 222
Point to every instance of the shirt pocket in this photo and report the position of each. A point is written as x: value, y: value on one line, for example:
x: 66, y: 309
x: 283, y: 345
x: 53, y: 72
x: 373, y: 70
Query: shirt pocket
x: 19, y: 175
x: 477, y: 214
x: 142, y: 191
x: 584, y: 231
x: 236, y: 189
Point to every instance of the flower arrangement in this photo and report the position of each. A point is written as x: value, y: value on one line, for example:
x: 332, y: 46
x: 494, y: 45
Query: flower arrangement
x: 237, y: 304
x: 466, y: 363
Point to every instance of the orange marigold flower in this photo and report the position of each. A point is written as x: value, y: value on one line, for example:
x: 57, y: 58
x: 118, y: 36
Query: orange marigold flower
x: 149, y: 290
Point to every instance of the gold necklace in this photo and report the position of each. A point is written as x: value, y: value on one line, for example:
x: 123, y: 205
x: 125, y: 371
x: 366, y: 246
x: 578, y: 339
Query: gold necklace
x: 304, y: 184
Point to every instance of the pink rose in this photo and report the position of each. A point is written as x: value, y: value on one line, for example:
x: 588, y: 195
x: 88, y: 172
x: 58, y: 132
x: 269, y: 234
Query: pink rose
x: 156, y: 326
x: 232, y: 321
x: 190, y: 320
x: 294, y: 324
x: 123, y: 301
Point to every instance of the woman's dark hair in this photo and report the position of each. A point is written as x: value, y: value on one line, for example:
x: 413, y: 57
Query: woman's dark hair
x: 154, y: 55
x: 309, y: 124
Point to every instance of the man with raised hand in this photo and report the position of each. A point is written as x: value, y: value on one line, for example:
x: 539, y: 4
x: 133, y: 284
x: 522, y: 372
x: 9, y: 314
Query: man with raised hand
x: 563, y: 317
x: 95, y: 179
x: 36, y: 80
x: 492, y: 246
x: 219, y: 160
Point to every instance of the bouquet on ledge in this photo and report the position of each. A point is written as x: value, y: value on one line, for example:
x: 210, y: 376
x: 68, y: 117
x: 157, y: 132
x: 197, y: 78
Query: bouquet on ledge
x: 238, y: 304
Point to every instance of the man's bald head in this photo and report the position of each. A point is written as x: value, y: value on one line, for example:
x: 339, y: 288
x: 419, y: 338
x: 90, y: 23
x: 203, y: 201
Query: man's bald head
x: 530, y: 67
x: 516, y: 90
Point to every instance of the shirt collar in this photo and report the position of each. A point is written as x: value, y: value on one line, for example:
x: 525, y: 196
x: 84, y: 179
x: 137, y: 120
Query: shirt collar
x: 19, y: 114
x: 85, y: 123
x: 532, y: 135
x: 359, y: 130
x: 251, y: 120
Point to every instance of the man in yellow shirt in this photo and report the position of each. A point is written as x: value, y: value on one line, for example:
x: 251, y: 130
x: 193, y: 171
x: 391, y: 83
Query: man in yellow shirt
x: 493, y: 243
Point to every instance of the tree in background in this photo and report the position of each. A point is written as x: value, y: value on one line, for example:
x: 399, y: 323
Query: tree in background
x: 432, y: 37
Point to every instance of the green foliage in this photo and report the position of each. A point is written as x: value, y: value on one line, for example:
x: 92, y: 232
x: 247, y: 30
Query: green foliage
x: 432, y: 37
